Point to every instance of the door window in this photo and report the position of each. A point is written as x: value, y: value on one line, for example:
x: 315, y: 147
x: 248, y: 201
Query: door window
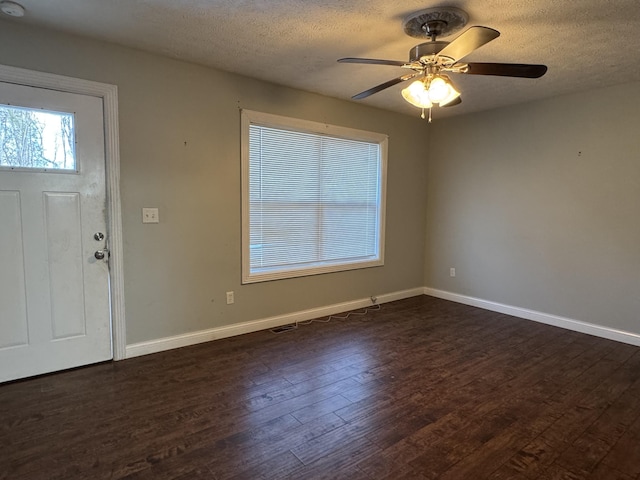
x: 36, y: 139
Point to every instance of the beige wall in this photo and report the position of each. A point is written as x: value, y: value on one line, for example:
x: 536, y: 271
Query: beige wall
x: 538, y: 206
x: 180, y: 152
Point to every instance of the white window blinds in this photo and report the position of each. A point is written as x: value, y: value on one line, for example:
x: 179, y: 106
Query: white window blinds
x: 315, y: 203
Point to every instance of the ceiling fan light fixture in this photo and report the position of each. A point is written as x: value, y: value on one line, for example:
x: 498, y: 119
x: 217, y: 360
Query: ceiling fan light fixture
x: 430, y: 90
x: 450, y: 98
x: 438, y: 89
x: 417, y: 94
x: 451, y: 92
x: 430, y: 60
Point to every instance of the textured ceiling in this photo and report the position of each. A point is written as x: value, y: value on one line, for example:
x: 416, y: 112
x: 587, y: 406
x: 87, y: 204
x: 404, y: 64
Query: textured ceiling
x: 585, y: 43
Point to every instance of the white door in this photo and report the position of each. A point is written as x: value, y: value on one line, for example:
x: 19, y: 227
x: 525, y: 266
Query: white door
x: 54, y: 292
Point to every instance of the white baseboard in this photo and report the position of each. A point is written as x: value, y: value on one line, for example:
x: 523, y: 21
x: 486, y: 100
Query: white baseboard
x: 562, y: 322
x: 192, y: 338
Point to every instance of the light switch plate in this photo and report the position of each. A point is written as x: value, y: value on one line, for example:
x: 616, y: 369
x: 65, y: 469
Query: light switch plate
x: 150, y: 215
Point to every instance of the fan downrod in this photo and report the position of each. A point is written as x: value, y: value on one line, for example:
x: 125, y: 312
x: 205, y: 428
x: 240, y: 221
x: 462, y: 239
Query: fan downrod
x: 434, y: 28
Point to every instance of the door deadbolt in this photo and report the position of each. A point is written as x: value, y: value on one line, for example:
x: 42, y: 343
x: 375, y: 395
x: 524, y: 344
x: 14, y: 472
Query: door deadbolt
x: 98, y: 236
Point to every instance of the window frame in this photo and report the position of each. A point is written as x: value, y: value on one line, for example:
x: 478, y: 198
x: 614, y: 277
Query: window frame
x: 250, y: 117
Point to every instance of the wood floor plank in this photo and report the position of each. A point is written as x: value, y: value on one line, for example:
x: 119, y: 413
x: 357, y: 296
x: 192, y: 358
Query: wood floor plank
x: 604, y: 472
x: 556, y: 472
x: 248, y: 456
x: 276, y: 467
x: 592, y: 446
x: 506, y: 472
x: 625, y: 453
x: 471, y: 401
x: 577, y: 405
x: 422, y: 388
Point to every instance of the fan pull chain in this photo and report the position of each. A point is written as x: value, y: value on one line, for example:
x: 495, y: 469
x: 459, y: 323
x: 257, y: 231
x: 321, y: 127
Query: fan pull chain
x: 422, y: 116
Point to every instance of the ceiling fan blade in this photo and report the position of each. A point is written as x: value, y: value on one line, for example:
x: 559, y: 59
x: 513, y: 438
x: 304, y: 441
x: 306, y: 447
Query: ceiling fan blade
x: 468, y: 41
x: 382, y: 86
x: 507, y: 69
x: 372, y: 61
x: 455, y: 102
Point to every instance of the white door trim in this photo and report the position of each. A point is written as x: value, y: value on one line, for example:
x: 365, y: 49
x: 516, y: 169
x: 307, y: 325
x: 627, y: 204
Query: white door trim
x: 109, y: 95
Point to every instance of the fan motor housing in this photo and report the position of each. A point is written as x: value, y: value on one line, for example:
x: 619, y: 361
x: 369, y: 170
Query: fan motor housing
x: 425, y: 52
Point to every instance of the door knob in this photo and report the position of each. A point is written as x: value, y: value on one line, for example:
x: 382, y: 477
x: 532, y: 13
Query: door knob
x: 101, y: 254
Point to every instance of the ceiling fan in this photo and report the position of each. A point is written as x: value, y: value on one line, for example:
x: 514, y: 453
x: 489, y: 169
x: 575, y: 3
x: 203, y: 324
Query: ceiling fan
x: 429, y: 62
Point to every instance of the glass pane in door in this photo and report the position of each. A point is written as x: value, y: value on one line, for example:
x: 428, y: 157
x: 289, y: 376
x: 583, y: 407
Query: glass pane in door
x: 36, y: 139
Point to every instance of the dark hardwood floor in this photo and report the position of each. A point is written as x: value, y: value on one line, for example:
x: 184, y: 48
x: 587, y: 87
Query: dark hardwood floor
x: 422, y: 389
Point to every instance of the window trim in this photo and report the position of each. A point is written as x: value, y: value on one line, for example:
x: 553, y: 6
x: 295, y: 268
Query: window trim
x: 250, y: 117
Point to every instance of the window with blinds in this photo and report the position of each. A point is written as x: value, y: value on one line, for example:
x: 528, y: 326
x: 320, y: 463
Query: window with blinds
x: 313, y: 197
